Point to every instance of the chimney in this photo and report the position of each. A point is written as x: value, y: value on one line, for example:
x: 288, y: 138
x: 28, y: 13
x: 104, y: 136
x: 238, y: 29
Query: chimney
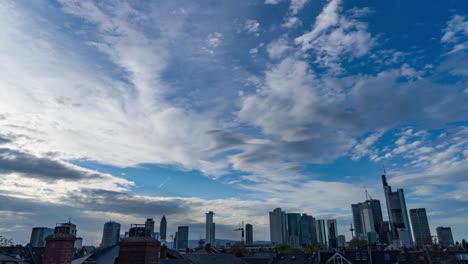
x: 60, y: 246
x: 163, y: 253
x: 139, y: 247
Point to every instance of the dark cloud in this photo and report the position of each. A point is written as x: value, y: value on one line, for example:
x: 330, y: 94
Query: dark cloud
x: 4, y: 140
x: 14, y: 161
x: 225, y: 139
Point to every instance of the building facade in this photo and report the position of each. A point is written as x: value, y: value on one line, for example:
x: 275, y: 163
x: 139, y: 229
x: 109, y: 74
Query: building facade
x: 307, y: 230
x: 110, y: 234
x: 182, y: 237
x: 278, y: 227
x: 163, y: 229
x: 332, y: 233
x: 321, y: 232
x: 248, y: 234
x: 397, y: 214
x: 294, y: 229
x: 444, y: 235
x: 38, y: 236
x: 210, y: 229
x: 420, y: 225
x: 149, y: 224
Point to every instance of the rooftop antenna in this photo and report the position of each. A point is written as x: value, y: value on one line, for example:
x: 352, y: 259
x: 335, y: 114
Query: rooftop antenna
x: 352, y: 230
x: 384, y: 172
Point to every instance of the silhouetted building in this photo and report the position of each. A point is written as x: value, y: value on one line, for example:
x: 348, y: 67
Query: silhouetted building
x: 38, y: 235
x: 210, y: 229
x: 110, y: 234
x: 293, y: 229
x: 420, y: 224
x: 149, y: 224
x: 341, y: 241
x: 444, y: 235
x: 278, y: 226
x: 307, y: 230
x: 385, y: 235
x: 139, y: 247
x: 321, y: 232
x: 332, y: 233
x: 397, y: 214
x: 182, y: 237
x: 248, y: 234
x: 59, y: 247
x: 163, y: 229
x: 357, y: 220
x: 367, y: 217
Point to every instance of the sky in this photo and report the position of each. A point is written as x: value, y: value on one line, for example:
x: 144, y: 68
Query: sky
x: 127, y: 110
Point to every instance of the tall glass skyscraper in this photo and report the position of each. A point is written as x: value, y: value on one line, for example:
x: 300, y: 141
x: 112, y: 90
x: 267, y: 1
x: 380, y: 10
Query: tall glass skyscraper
x: 444, y: 235
x: 182, y: 237
x: 321, y: 232
x: 210, y: 229
x: 332, y: 233
x: 38, y: 235
x: 397, y: 214
x: 248, y: 234
x: 420, y: 224
x: 278, y: 226
x: 163, y: 229
x: 293, y: 229
x: 110, y: 234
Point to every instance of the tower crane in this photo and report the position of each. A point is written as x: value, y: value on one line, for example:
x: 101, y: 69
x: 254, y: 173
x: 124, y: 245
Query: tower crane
x: 242, y: 232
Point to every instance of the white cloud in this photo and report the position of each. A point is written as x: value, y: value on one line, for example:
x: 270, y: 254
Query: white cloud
x: 455, y: 35
x: 276, y: 49
x: 214, y: 39
x: 252, y: 26
x: 292, y: 22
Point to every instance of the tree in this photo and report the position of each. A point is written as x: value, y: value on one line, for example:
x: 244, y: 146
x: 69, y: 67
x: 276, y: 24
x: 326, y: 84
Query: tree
x: 238, y: 250
x: 356, y: 243
x: 6, y: 242
x: 287, y: 249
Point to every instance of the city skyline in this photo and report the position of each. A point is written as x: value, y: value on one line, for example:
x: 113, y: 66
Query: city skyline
x: 124, y: 110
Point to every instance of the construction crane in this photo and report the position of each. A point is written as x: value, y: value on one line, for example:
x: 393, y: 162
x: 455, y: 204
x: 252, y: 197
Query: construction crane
x: 242, y: 232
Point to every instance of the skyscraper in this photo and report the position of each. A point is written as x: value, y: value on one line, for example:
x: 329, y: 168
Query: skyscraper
x: 248, y: 234
x: 38, y: 235
x: 182, y: 237
x: 321, y: 232
x: 307, y: 230
x: 278, y: 226
x: 357, y: 220
x: 397, y: 214
x: 332, y: 233
x: 293, y: 229
x: 444, y: 235
x: 210, y: 229
x: 420, y: 224
x: 163, y: 229
x: 110, y: 234
x: 149, y: 225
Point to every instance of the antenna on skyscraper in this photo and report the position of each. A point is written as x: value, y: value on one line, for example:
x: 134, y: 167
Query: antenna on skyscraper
x: 384, y: 172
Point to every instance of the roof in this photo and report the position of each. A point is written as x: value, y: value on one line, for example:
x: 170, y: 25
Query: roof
x: 213, y: 259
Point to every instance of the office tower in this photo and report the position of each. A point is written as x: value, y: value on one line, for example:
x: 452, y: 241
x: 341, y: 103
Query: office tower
x: 332, y: 233
x: 321, y: 232
x: 38, y: 235
x: 182, y: 237
x: 163, y: 229
x: 210, y: 229
x: 420, y: 225
x: 444, y: 235
x: 248, y: 234
x: 110, y: 234
x: 341, y: 241
x: 397, y: 214
x: 357, y: 220
x: 149, y: 224
x: 278, y: 226
x: 293, y: 229
x: 307, y: 230
x: 385, y: 235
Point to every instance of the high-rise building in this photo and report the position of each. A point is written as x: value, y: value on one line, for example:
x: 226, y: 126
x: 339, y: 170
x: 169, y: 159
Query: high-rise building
x: 321, y: 232
x: 385, y: 235
x: 163, y: 229
x: 367, y: 219
x: 182, y: 237
x: 444, y: 235
x: 397, y: 214
x: 307, y: 230
x: 278, y: 226
x: 357, y: 220
x: 38, y: 235
x: 420, y: 225
x: 341, y: 241
x: 110, y: 234
x: 210, y: 229
x: 248, y: 234
x: 293, y: 229
x: 332, y: 233
x: 149, y: 224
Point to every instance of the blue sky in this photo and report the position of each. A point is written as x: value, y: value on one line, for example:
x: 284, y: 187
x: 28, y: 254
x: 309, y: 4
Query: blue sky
x: 122, y: 110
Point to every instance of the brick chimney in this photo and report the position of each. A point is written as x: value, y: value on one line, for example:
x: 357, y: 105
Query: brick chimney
x: 59, y: 249
x: 139, y: 247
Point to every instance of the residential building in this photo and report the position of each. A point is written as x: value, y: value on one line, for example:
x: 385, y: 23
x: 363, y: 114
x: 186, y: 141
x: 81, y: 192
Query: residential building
x: 278, y: 226
x: 163, y: 229
x: 38, y: 235
x: 110, y: 234
x: 332, y: 233
x: 210, y: 229
x: 182, y: 237
x: 444, y: 235
x: 420, y: 225
x: 397, y: 214
x: 248, y: 234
